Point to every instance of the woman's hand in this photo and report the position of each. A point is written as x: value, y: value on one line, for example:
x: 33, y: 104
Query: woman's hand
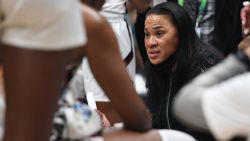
x: 105, y: 121
x: 247, y: 52
x: 245, y: 46
x: 245, y: 18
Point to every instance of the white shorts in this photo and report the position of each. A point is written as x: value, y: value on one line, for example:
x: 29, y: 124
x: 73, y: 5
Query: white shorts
x: 42, y: 24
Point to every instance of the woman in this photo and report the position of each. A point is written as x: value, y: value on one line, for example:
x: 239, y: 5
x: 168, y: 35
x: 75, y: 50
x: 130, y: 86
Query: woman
x: 176, y: 55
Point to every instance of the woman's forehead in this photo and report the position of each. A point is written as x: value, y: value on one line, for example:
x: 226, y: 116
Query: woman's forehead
x: 157, y: 21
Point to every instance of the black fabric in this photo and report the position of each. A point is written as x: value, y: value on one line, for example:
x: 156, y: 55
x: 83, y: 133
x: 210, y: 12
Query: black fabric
x: 139, y: 33
x: 129, y: 57
x: 227, y: 33
x: 191, y: 6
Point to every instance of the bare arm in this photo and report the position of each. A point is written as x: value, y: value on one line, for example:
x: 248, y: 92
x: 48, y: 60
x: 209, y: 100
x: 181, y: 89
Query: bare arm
x: 110, y: 72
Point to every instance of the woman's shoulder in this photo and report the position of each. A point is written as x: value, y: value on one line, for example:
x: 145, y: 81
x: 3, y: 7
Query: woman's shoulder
x: 208, y: 56
x: 204, y: 58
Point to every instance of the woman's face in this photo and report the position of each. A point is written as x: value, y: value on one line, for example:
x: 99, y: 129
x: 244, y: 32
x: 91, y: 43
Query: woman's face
x: 161, y: 38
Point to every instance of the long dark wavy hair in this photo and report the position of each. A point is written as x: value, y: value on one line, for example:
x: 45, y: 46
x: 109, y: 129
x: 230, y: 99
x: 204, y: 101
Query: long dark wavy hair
x: 158, y: 77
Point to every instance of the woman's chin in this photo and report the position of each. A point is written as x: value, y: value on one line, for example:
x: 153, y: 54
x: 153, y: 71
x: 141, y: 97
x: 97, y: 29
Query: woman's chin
x: 155, y: 61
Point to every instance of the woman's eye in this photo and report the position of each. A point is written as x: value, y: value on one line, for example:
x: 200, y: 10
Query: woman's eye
x: 146, y: 35
x: 159, y: 34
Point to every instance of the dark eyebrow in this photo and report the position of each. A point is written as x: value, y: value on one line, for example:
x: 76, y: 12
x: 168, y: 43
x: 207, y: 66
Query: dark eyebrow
x: 156, y: 27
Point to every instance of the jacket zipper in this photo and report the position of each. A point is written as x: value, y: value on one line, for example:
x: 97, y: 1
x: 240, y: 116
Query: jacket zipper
x: 168, y: 98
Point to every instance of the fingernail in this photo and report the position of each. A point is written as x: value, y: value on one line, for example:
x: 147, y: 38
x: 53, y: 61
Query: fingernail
x: 246, y: 31
x: 243, y: 22
x: 246, y: 3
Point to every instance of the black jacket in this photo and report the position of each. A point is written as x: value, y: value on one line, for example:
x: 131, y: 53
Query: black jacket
x: 163, y: 84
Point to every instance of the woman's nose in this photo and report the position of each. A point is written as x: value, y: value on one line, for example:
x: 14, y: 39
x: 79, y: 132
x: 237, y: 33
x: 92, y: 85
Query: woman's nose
x: 152, y: 42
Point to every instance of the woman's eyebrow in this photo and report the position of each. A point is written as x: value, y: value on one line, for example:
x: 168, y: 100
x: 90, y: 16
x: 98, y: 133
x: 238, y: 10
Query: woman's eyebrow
x: 156, y: 27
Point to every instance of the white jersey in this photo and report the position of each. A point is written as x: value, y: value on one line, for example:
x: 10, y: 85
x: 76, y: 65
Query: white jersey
x: 114, y: 6
x: 42, y: 24
x: 114, y: 12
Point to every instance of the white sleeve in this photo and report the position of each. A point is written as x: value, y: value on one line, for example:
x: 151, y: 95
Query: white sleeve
x: 217, y: 100
x: 226, y: 108
x: 43, y: 24
x: 187, y: 104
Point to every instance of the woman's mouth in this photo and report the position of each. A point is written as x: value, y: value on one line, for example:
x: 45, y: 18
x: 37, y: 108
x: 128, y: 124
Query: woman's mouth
x: 153, y: 54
